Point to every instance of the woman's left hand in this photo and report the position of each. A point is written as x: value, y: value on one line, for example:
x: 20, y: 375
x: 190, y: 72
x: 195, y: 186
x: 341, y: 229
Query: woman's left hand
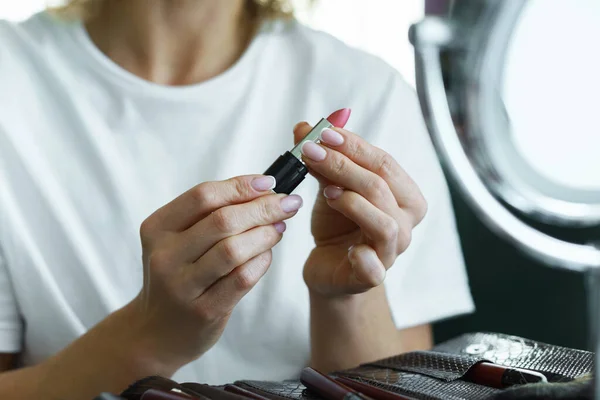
x: 364, y: 214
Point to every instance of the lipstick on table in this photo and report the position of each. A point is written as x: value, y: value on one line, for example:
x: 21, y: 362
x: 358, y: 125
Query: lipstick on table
x: 288, y: 169
x: 500, y: 377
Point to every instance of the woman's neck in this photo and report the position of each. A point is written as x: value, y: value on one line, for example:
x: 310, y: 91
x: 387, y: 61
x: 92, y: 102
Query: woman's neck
x: 173, y: 42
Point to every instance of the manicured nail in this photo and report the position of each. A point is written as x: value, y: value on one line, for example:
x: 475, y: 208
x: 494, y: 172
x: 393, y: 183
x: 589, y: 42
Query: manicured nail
x: 279, y: 226
x: 371, y: 265
x: 367, y: 266
x: 332, y: 192
x: 313, y: 151
x: 332, y: 137
x: 291, y: 203
x: 263, y: 183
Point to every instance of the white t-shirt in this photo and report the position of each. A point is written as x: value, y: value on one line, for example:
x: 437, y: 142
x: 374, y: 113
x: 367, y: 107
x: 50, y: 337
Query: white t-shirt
x: 88, y: 151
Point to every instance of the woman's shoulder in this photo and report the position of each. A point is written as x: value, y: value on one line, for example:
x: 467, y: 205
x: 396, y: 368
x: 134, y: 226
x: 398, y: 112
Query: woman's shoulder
x: 336, y: 64
x: 331, y: 52
x: 24, y: 44
x: 34, y: 31
x: 28, y: 54
x: 335, y: 74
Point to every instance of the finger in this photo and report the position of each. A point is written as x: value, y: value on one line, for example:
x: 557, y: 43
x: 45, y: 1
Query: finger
x: 341, y: 171
x: 196, y: 203
x: 405, y: 190
x: 382, y: 230
x: 301, y: 130
x: 223, y: 296
x: 233, y: 220
x: 230, y: 253
x: 366, y: 266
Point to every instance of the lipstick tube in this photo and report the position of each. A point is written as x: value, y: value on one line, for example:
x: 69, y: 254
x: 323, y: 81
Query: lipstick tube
x: 288, y: 169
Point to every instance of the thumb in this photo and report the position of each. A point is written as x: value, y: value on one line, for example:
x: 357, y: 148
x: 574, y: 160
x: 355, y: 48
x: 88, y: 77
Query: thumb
x: 301, y: 130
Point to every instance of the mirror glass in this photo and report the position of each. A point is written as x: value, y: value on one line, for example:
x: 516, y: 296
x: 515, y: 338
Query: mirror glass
x: 551, y: 90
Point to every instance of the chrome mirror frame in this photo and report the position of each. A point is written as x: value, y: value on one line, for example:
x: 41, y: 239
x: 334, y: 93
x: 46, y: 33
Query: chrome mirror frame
x: 458, y: 64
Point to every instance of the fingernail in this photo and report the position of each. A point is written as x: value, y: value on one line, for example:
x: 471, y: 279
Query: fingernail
x: 332, y: 137
x: 279, y: 226
x: 372, y: 270
x: 372, y: 266
x: 332, y: 192
x: 291, y: 203
x: 313, y: 151
x: 263, y: 183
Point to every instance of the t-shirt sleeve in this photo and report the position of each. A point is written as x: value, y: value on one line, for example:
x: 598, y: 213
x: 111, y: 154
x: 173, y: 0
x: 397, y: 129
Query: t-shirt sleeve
x: 10, y: 321
x: 428, y: 282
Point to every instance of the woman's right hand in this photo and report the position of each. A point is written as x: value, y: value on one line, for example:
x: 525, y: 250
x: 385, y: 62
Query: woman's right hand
x: 202, y: 253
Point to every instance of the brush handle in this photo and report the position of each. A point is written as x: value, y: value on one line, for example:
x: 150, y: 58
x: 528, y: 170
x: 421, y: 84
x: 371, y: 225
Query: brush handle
x: 108, y: 396
x: 371, y: 391
x: 156, y: 394
x: 243, y: 392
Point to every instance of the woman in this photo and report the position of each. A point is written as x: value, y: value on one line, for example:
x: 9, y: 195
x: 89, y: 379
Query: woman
x: 139, y: 113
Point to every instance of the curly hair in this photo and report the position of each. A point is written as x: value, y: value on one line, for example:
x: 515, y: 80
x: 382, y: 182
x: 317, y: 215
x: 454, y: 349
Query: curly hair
x: 263, y: 9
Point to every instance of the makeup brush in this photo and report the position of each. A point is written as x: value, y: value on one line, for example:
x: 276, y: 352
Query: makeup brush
x: 156, y: 394
x: 136, y: 390
x: 371, y: 391
x: 233, y: 388
x: 328, y: 388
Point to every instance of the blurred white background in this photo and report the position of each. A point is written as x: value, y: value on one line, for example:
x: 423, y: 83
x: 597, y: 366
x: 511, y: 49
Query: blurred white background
x: 552, y: 71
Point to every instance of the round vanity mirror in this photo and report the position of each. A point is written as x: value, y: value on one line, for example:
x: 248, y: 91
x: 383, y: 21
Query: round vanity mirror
x: 537, y: 85
x: 530, y: 100
x: 509, y: 90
